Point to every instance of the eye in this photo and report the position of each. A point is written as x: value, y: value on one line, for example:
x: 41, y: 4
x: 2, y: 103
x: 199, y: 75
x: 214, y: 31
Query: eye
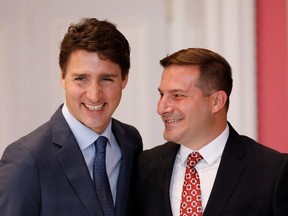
x: 107, y: 78
x: 177, y: 96
x: 80, y: 78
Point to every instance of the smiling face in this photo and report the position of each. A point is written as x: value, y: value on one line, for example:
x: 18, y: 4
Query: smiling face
x: 185, y: 111
x: 93, y: 88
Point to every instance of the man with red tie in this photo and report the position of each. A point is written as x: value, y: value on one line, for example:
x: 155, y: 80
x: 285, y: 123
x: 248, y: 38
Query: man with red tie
x: 206, y: 168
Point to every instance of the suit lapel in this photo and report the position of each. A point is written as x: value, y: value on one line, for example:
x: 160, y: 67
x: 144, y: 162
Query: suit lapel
x: 125, y: 168
x: 72, y: 162
x: 163, y: 178
x: 230, y: 170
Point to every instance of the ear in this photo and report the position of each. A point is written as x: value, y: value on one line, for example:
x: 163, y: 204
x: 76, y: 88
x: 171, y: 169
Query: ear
x: 124, y: 81
x: 62, y: 81
x: 219, y: 100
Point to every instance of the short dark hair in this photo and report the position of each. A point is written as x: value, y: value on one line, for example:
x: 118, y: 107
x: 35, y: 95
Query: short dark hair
x: 93, y: 35
x: 215, y: 71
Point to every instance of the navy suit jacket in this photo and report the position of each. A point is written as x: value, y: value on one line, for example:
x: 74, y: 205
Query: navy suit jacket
x: 252, y: 180
x: 44, y: 173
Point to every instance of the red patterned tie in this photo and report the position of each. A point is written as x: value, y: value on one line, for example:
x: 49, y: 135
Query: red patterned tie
x: 191, y: 193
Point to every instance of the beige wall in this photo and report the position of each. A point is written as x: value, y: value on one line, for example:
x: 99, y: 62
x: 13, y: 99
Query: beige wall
x: 30, y: 32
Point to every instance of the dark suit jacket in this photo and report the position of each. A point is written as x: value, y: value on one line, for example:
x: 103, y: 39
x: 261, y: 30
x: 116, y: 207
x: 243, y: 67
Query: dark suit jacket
x: 252, y: 180
x: 44, y: 173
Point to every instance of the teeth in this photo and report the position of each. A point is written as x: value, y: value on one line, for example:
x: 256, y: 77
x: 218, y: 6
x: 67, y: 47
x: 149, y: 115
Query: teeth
x: 90, y: 107
x: 172, y: 120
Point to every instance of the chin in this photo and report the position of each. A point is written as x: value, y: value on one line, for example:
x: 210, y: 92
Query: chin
x: 169, y: 138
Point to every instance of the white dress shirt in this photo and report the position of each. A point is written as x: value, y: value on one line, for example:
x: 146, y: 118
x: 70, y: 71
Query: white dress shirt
x: 206, y: 168
x: 86, y: 137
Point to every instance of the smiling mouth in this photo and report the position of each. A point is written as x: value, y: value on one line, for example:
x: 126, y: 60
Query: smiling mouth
x: 172, y: 120
x: 94, y: 108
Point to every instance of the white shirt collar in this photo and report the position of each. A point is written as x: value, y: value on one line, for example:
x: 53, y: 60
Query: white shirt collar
x: 210, y: 152
x: 84, y: 135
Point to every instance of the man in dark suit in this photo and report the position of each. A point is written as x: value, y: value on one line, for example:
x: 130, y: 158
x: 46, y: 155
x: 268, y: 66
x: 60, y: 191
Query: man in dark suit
x: 51, y: 171
x: 235, y: 175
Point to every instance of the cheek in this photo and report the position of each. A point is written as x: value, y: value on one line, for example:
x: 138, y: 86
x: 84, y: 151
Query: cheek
x: 192, y: 112
x: 115, y: 89
x: 112, y: 94
x: 72, y: 91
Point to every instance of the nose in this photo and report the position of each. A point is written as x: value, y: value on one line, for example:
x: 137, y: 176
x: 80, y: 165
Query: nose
x: 94, y: 92
x: 164, y: 105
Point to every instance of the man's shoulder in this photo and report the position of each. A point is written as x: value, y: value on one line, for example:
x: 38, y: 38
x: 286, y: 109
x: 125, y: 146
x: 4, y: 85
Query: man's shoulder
x: 39, y: 136
x: 124, y: 128
x: 118, y: 123
x: 257, y: 148
x: 250, y: 147
x: 127, y: 133
x: 165, y: 150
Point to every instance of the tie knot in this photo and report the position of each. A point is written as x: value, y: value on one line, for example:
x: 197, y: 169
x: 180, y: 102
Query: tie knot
x: 193, y: 159
x: 100, y: 144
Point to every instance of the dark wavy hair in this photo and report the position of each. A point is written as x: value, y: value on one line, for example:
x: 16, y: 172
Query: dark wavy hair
x: 215, y: 71
x: 93, y: 35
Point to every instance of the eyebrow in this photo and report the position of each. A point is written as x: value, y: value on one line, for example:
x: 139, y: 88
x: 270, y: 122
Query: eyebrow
x: 172, y: 90
x: 101, y: 75
x: 108, y: 75
x: 78, y: 74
